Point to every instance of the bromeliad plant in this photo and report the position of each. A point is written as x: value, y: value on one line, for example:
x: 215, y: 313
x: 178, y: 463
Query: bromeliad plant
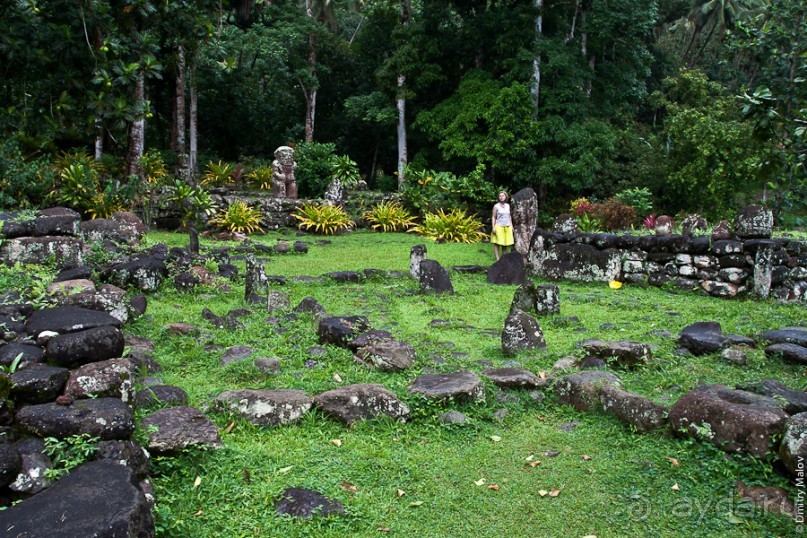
x: 389, y: 216
x: 239, y: 217
x: 324, y: 219
x: 453, y: 227
x: 218, y: 174
x: 261, y: 176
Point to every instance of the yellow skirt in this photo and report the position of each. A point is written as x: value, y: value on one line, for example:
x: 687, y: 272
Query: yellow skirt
x: 502, y: 235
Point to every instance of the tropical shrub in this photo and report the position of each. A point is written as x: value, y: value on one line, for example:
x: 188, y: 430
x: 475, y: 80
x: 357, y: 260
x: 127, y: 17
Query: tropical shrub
x: 191, y: 200
x: 453, y: 227
x: 640, y: 199
x: 154, y: 169
x: 582, y: 206
x: 24, y: 182
x: 389, y: 216
x: 426, y: 190
x: 261, y: 176
x: 313, y: 168
x: 239, y: 217
x: 218, y: 174
x: 588, y: 224
x: 615, y: 215
x: 324, y: 219
x: 345, y: 170
x: 84, y: 186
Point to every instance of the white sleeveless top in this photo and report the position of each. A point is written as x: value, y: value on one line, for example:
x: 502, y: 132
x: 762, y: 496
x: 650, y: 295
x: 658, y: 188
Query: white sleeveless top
x: 503, y: 215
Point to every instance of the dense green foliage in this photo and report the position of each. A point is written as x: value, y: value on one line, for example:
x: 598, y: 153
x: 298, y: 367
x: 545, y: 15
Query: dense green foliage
x: 701, y: 103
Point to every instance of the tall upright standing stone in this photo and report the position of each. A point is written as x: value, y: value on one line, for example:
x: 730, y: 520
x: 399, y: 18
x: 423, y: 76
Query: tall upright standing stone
x: 525, y: 219
x: 416, y: 255
x: 763, y: 269
x: 193, y: 240
x: 256, y: 282
x: 754, y: 222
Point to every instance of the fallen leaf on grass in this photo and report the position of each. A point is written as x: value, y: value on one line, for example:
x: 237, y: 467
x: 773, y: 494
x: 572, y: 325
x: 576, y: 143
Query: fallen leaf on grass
x: 415, y: 503
x: 675, y: 487
x: 585, y: 458
x: 336, y: 442
x: 495, y: 438
x: 542, y: 492
x: 349, y: 487
x: 383, y: 529
x: 197, y: 482
x: 479, y: 482
x: 554, y: 492
x: 229, y: 427
x: 337, y: 378
x: 674, y: 462
x: 247, y: 476
x: 542, y: 374
x: 199, y: 513
x: 494, y: 487
x: 285, y: 470
x: 400, y: 492
x: 535, y: 463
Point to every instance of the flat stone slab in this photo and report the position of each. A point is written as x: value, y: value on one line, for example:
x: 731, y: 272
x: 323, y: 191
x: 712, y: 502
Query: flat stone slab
x: 794, y: 401
x: 461, y: 386
x: 789, y: 352
x: 173, y: 429
x: 38, y: 383
x: 622, y: 353
x: 306, y: 503
x: 341, y: 330
x: 787, y: 335
x: 100, y: 499
x: 236, y: 354
x: 388, y: 355
x: 68, y: 319
x: 266, y: 407
x: 632, y: 409
x: 82, y: 347
x: 514, y: 378
x: 353, y: 403
x: 107, y: 418
x: 582, y: 390
x: 166, y: 395
x: 733, y: 420
x: 703, y: 337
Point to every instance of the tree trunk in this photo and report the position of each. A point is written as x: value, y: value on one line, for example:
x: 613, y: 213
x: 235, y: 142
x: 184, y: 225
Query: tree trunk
x: 311, y: 93
x: 179, y: 105
x: 535, y: 90
x: 137, y: 130
x: 99, y: 138
x: 194, y: 115
x: 400, y: 105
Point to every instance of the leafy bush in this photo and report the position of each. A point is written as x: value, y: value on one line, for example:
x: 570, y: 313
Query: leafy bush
x: 313, y: 168
x: 24, y: 182
x: 191, y: 200
x: 588, y: 224
x: 239, y: 217
x: 640, y: 199
x: 261, y: 176
x: 324, y: 219
x: 389, y: 216
x: 582, y: 206
x: 425, y: 190
x: 615, y: 215
x: 218, y: 174
x: 345, y: 170
x: 453, y: 227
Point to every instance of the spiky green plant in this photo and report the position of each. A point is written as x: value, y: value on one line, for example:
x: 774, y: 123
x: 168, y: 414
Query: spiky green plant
x: 453, y: 227
x: 324, y: 219
x: 239, y: 217
x: 261, y: 176
x: 218, y: 174
x: 345, y: 170
x: 389, y: 216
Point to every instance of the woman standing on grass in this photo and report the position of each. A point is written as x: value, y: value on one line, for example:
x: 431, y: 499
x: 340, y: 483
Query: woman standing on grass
x: 502, y: 235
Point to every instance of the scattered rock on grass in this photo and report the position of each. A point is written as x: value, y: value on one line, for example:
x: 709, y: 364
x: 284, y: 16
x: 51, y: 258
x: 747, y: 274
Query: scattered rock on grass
x: 175, y: 428
x: 388, y: 355
x: 788, y: 352
x: 352, y: 403
x: 514, y: 378
x: 632, y: 409
x: 521, y: 332
x: 461, y: 386
x: 582, y: 390
x: 266, y: 407
x: 306, y: 503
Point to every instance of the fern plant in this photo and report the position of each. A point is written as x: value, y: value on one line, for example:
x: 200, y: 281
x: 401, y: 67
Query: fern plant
x: 453, y: 227
x: 217, y: 174
x: 324, y: 219
x: 261, y: 176
x: 239, y: 217
x: 389, y: 216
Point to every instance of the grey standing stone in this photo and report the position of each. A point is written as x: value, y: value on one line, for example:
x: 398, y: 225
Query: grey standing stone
x: 256, y: 281
x: 763, y: 269
x: 509, y: 269
x: 193, y: 241
x: 416, y: 255
x: 521, y: 332
x: 525, y: 218
x: 754, y: 222
x: 793, y: 449
x: 543, y: 300
x: 434, y: 278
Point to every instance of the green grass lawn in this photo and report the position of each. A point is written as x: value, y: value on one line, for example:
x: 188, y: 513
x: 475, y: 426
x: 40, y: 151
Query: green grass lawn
x: 611, y: 482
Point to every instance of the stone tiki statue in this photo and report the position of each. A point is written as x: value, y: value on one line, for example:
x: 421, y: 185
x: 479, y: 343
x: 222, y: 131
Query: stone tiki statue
x: 283, y: 183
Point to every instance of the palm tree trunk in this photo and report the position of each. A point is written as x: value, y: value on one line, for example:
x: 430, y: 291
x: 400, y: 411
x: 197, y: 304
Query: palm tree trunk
x: 403, y: 155
x: 535, y: 89
x: 193, y: 127
x: 179, y: 103
x: 137, y: 130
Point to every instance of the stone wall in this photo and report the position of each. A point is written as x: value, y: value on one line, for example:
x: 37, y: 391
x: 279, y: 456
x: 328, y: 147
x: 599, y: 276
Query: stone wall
x: 725, y: 268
